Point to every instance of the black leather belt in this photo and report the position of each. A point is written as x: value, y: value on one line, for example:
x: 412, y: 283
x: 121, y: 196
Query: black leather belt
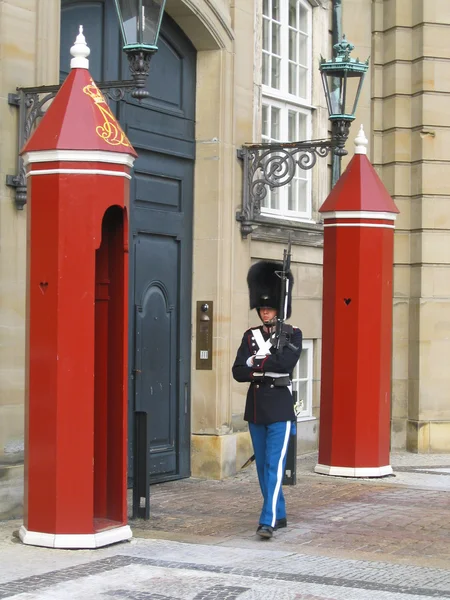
x: 275, y: 381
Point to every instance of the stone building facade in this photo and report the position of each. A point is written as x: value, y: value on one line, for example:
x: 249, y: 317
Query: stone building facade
x: 249, y: 86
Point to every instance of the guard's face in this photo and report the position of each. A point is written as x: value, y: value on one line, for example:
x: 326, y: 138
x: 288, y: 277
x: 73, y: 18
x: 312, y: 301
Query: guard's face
x: 267, y: 314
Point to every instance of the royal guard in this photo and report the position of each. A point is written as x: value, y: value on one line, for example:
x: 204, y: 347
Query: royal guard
x: 266, y: 359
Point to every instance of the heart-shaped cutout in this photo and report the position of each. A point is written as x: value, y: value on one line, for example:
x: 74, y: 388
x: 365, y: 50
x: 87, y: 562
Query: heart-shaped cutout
x: 347, y: 301
x: 43, y: 286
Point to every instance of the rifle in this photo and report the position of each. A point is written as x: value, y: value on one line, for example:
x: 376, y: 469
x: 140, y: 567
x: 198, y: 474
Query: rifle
x: 283, y: 331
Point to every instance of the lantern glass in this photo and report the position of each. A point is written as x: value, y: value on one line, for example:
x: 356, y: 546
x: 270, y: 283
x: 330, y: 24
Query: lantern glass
x: 140, y: 22
x: 342, y: 90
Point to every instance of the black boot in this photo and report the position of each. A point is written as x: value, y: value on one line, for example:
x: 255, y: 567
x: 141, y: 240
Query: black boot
x: 265, y: 531
x: 280, y: 523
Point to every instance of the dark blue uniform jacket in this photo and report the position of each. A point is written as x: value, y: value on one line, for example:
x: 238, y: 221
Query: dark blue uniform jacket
x: 267, y: 403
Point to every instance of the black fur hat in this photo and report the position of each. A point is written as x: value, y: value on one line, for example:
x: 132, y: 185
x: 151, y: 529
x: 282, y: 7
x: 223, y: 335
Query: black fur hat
x: 264, y: 285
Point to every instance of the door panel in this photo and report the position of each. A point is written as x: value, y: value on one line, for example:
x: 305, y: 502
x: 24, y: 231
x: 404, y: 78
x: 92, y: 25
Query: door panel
x: 156, y: 347
x: 162, y: 223
x: 158, y: 193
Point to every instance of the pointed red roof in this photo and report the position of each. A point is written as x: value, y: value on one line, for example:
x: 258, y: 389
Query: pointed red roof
x: 79, y: 118
x: 359, y: 189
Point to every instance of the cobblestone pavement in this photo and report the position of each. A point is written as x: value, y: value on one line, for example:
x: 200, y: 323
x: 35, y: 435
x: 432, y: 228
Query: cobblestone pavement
x: 336, y: 516
x: 349, y: 539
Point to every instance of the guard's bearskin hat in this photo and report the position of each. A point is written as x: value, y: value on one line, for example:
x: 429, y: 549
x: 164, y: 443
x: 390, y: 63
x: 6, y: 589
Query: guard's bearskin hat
x: 264, y: 285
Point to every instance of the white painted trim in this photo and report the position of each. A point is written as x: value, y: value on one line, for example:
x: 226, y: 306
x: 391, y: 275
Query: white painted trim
x: 354, y: 471
x: 116, y: 158
x: 359, y: 214
x: 308, y: 356
x: 79, y: 172
x: 76, y: 541
x: 382, y: 225
x: 274, y: 94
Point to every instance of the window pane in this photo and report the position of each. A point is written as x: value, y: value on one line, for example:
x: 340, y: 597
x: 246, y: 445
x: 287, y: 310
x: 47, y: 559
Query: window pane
x: 272, y: 199
x: 293, y: 78
x: 302, y: 394
x: 275, y: 199
x: 303, y: 364
x: 293, y: 13
x: 266, y: 35
x: 302, y: 123
x: 266, y: 8
x: 276, y: 10
x: 276, y: 63
x: 297, y: 196
x: 292, y: 126
x: 303, y: 20
x: 293, y: 37
x: 266, y: 69
x: 276, y: 39
x: 302, y: 199
x: 275, y: 125
x: 265, y: 121
x: 303, y: 50
x: 302, y: 82
x: 292, y: 196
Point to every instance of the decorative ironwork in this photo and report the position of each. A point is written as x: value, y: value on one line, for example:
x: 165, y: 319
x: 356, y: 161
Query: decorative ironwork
x: 31, y: 103
x: 340, y: 129
x: 269, y: 166
x: 139, y: 63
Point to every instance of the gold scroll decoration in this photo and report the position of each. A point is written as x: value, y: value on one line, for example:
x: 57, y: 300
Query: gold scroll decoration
x: 110, y: 131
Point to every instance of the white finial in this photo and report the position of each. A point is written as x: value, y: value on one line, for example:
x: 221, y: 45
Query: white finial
x: 80, y: 52
x: 361, y: 142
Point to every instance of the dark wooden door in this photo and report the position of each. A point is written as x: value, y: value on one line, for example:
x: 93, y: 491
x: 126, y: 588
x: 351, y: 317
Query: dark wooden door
x: 161, y: 129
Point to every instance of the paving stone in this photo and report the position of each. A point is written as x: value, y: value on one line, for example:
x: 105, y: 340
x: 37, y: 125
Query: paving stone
x: 364, y: 516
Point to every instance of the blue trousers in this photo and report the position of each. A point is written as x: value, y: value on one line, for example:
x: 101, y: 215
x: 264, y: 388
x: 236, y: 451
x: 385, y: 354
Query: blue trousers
x: 270, y: 444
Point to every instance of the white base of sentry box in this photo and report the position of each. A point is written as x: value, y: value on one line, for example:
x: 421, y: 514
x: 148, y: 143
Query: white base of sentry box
x: 74, y: 540
x: 354, y: 471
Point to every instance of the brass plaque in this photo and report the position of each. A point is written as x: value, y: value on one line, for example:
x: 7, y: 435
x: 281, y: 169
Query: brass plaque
x: 204, y: 335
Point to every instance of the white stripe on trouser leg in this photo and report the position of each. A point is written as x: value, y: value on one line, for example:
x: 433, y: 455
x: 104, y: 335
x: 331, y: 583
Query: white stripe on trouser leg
x: 280, y: 473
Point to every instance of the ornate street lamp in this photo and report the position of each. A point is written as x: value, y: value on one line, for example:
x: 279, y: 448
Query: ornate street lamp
x: 342, y: 79
x: 140, y: 22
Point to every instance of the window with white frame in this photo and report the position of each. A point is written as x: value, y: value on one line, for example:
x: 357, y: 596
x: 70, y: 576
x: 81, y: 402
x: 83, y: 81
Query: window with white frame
x: 286, y: 101
x: 302, y: 380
